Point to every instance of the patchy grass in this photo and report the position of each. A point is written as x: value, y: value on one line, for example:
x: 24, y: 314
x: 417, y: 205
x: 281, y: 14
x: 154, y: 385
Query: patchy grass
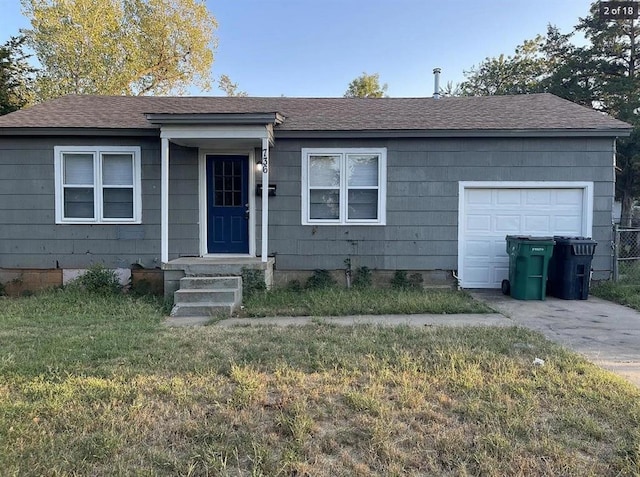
x: 96, y: 386
x: 337, y: 301
x: 624, y: 292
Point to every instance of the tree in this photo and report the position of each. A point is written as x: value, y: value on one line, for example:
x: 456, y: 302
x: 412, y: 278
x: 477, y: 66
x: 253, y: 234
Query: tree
x: 15, y: 76
x: 366, y: 86
x: 229, y: 87
x: 120, y: 47
x: 614, y: 52
x: 517, y: 74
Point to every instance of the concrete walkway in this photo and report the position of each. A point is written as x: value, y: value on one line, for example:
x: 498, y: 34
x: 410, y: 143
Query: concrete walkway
x: 492, y: 319
x: 605, y: 333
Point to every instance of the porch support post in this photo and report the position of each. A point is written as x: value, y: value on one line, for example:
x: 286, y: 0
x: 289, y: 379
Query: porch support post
x: 265, y: 199
x: 164, y: 200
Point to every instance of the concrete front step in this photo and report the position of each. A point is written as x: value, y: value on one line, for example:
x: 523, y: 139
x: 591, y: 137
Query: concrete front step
x: 207, y: 296
x: 202, y: 309
x: 211, y: 283
x: 200, y: 295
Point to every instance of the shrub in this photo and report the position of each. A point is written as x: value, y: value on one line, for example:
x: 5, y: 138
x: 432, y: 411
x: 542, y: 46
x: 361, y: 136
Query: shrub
x: 100, y: 280
x: 252, y: 281
x: 294, y: 286
x: 320, y: 279
x: 400, y: 279
x: 362, y: 277
x: 403, y: 281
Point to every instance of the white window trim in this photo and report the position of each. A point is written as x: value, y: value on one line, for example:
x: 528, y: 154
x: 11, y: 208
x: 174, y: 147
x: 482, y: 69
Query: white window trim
x: 343, y: 151
x: 96, y: 151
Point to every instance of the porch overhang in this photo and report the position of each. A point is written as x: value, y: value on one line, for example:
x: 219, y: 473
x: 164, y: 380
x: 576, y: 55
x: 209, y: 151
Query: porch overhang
x: 214, y: 131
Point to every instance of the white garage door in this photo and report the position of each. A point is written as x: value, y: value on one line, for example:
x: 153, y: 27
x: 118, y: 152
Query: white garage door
x: 487, y: 215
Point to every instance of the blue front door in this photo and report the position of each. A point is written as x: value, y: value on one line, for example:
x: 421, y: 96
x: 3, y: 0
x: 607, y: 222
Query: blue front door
x: 227, y: 204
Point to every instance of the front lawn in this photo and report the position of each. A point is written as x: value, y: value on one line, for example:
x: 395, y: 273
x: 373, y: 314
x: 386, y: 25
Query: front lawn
x: 98, y: 386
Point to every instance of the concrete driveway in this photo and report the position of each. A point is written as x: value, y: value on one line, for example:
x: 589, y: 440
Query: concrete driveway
x: 605, y: 333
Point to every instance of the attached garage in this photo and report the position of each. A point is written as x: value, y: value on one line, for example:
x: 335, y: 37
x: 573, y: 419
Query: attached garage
x: 488, y: 211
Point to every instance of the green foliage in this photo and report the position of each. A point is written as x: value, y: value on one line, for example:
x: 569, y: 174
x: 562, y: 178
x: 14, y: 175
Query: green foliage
x: 294, y: 286
x: 15, y: 76
x: 120, y: 47
x: 515, y: 74
x: 403, y: 281
x: 366, y: 86
x: 416, y: 281
x: 339, y: 301
x: 320, y: 279
x: 98, y: 280
x: 252, y: 282
x: 625, y: 292
x: 362, y: 277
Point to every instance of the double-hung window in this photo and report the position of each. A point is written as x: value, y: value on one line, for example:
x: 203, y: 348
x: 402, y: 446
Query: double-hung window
x: 97, y: 184
x: 344, y: 186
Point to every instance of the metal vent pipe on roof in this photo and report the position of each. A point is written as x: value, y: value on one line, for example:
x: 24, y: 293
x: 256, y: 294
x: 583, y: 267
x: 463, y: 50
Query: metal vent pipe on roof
x: 436, y: 86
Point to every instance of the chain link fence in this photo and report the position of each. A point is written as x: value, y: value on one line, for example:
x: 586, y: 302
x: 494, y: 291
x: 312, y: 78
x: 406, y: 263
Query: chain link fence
x: 626, y: 265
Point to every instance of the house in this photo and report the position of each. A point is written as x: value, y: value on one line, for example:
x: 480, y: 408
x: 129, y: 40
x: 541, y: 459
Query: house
x: 186, y: 183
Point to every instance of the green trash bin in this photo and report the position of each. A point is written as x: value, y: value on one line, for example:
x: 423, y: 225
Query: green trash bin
x: 528, y: 266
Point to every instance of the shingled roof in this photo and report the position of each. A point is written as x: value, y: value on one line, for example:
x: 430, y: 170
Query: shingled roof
x: 531, y: 112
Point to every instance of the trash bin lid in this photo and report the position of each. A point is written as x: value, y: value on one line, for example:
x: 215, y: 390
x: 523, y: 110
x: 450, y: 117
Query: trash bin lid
x: 562, y: 238
x: 528, y: 238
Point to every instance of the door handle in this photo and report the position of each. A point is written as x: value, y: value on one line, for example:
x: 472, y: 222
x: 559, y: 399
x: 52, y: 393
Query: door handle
x: 246, y: 212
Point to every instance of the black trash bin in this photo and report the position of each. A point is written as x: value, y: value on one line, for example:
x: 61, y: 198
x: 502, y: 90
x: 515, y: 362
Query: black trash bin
x: 570, y: 267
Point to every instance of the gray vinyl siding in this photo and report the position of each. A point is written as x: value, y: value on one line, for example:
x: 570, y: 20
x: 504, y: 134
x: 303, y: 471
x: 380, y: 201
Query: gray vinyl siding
x: 29, y: 237
x: 422, y: 203
x: 422, y: 198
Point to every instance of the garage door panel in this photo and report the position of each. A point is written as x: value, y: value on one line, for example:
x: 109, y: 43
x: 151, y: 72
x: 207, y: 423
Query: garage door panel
x: 479, y: 196
x: 491, y: 214
x: 507, y: 224
x: 537, y: 225
x: 500, y: 273
x: 567, y: 225
x: 509, y: 197
x: 569, y: 197
x: 479, y: 223
x: 480, y: 249
x: 476, y: 276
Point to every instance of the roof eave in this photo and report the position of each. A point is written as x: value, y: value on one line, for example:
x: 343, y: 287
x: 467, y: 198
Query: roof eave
x: 441, y: 133
x: 58, y: 131
x: 215, y: 118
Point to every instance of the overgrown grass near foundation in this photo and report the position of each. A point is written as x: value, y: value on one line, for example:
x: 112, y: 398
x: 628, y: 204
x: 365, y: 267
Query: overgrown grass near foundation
x: 336, y: 301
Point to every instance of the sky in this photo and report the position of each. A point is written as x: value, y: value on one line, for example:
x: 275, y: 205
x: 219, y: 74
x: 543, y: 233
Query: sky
x: 314, y: 48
